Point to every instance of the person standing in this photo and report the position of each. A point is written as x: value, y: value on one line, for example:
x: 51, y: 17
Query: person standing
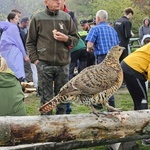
x: 136, y: 73
x: 100, y: 39
x: 51, y: 32
x: 123, y: 27
x: 11, y: 46
x: 145, y: 28
x: 86, y: 27
x: 24, y: 23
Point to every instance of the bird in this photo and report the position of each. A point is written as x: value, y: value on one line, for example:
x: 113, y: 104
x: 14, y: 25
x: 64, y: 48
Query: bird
x: 93, y: 85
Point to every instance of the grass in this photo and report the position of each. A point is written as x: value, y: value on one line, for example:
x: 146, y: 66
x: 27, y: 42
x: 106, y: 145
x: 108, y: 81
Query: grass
x: 122, y: 99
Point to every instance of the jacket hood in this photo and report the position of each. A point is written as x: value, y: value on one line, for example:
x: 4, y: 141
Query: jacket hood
x: 7, y: 80
x: 144, y: 37
x: 5, y: 24
x: 146, y: 18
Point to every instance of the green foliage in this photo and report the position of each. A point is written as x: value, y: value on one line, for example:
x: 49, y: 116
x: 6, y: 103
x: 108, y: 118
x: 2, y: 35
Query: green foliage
x: 27, y: 7
x: 114, y: 8
x: 84, y: 9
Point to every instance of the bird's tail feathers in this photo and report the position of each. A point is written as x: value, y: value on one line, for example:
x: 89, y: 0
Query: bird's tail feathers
x: 47, y: 107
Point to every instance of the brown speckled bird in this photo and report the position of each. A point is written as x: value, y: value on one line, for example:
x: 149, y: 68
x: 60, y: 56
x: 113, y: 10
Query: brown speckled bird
x: 93, y: 85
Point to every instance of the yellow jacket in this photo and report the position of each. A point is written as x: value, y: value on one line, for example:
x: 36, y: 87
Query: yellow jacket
x: 139, y: 60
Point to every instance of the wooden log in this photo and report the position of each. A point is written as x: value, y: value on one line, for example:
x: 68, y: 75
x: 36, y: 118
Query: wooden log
x: 27, y: 85
x: 83, y: 130
x: 30, y: 90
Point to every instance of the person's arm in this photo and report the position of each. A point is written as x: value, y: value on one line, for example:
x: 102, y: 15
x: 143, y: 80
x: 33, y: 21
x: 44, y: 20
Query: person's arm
x: 90, y: 39
x: 90, y: 47
x: 72, y: 35
x: 71, y: 39
x: 31, y: 42
x: 127, y: 29
x: 141, y: 34
x: 14, y: 35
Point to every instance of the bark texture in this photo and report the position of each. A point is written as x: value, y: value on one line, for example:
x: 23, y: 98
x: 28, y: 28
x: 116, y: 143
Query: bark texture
x: 74, y: 131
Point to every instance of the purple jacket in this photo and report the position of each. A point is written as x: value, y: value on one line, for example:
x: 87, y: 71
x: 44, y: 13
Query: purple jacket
x: 11, y: 36
x: 11, y: 48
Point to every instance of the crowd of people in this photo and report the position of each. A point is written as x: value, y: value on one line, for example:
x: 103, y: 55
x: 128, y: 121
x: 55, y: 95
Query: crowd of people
x: 48, y: 48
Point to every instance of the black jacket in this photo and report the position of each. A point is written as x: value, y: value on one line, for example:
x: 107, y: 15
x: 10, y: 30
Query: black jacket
x: 123, y: 27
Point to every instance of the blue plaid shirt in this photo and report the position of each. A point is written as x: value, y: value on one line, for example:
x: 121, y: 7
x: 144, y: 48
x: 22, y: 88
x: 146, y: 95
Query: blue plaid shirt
x: 103, y: 37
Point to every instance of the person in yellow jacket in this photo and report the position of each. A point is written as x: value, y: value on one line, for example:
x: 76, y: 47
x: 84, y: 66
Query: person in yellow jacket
x: 11, y: 94
x: 136, y: 69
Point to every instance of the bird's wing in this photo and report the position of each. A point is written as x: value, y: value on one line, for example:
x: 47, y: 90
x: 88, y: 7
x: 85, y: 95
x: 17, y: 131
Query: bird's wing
x: 90, y: 81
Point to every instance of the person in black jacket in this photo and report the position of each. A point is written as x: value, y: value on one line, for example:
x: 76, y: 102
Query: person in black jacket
x: 123, y: 27
x: 23, y: 25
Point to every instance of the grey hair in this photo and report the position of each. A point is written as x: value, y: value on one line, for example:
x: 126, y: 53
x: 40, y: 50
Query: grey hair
x: 102, y: 14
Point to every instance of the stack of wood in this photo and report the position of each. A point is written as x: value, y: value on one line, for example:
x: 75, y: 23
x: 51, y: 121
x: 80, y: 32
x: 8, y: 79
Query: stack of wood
x: 28, y: 87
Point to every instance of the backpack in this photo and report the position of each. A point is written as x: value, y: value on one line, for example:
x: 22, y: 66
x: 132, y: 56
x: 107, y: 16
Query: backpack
x: 73, y: 18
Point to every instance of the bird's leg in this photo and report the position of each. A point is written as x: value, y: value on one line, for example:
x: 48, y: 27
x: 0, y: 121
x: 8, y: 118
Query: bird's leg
x: 96, y: 112
x: 111, y: 108
x: 93, y: 110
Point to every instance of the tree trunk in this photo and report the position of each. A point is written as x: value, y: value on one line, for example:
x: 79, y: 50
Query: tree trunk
x: 82, y: 130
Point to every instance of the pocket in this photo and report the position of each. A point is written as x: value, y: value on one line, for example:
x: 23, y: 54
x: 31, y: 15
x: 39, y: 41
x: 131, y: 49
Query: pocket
x: 42, y: 50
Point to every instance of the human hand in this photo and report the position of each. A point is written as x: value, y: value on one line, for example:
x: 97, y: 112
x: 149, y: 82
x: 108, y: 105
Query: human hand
x: 26, y: 58
x: 90, y: 47
x: 36, y: 62
x: 60, y: 36
x: 90, y: 50
x: 132, y: 34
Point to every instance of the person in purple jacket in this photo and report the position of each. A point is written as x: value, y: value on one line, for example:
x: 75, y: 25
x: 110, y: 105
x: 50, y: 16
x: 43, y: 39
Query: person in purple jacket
x: 11, y: 46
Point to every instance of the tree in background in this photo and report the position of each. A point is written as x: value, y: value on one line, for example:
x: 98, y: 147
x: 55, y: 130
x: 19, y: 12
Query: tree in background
x: 27, y: 7
x: 84, y: 9
x: 143, y: 5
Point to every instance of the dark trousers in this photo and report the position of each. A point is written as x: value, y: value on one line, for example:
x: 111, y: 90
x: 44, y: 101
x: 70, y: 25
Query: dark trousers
x: 50, y: 80
x: 28, y: 71
x: 90, y: 59
x: 79, y: 60
x: 137, y: 90
x: 124, y: 54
